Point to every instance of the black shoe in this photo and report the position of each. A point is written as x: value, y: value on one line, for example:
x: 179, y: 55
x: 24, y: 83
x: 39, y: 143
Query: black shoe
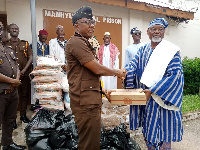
x: 15, y: 125
x: 24, y: 119
x: 14, y: 146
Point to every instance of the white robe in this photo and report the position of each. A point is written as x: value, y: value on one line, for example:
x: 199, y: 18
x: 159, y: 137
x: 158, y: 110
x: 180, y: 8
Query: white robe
x: 110, y: 82
x: 56, y: 50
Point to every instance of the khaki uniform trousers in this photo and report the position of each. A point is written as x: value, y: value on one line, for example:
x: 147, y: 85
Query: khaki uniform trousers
x: 88, y: 121
x: 8, y: 111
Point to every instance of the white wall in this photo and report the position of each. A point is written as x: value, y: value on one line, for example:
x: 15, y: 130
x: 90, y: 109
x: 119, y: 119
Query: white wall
x: 2, y: 6
x: 184, y: 35
x: 187, y: 36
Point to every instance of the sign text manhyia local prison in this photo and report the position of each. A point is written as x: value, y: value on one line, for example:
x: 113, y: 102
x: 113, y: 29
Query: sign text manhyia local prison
x: 61, y: 14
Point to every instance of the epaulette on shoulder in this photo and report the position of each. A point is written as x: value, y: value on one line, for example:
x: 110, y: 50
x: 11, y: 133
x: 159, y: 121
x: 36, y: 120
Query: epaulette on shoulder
x: 8, y: 46
x: 23, y: 41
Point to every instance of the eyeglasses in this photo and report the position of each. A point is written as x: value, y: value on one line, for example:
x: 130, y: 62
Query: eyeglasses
x: 153, y: 30
x: 137, y: 33
x: 89, y: 22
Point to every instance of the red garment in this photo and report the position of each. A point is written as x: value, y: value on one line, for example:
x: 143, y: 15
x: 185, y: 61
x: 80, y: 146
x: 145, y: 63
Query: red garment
x: 113, y: 53
x: 43, y: 32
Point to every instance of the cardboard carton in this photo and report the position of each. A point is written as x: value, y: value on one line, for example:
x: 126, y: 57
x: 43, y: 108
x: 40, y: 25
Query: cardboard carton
x: 128, y: 97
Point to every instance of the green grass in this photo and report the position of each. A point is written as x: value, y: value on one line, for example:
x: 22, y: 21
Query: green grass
x: 190, y: 103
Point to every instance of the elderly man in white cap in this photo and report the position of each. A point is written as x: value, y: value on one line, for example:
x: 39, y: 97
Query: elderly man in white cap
x: 158, y: 71
x: 57, y: 48
x: 57, y: 45
x: 108, y: 56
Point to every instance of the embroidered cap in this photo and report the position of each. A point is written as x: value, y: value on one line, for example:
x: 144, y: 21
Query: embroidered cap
x: 133, y: 30
x: 160, y: 21
x: 43, y: 32
x: 59, y: 27
x: 83, y: 12
x: 106, y: 33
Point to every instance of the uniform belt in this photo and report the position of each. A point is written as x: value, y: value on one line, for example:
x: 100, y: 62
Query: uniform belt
x: 7, y: 91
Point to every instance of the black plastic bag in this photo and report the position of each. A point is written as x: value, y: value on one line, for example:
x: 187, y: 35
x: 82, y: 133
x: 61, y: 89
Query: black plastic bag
x: 65, y: 134
x: 33, y: 136
x: 42, y: 120
x: 117, y: 139
x: 35, y: 106
x: 39, y: 127
x: 42, y: 144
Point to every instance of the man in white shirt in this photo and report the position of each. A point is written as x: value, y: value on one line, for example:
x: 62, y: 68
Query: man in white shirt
x: 57, y: 45
x: 108, y: 56
x: 132, y: 49
x: 57, y: 48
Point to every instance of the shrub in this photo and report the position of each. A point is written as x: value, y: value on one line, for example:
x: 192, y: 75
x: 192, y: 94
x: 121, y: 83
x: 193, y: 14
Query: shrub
x: 191, y: 69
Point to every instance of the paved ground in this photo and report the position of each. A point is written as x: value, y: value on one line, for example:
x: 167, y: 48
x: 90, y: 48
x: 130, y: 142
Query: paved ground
x: 191, y: 136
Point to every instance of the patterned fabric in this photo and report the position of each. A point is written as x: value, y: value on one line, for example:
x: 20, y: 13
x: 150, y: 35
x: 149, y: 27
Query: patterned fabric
x: 83, y: 12
x: 62, y: 44
x: 158, y: 124
x: 113, y: 53
x: 40, y: 49
x: 160, y: 21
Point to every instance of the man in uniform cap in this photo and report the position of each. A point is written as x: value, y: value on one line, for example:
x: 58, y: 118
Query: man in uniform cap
x: 132, y: 49
x: 108, y: 56
x: 158, y: 71
x: 9, y: 81
x: 83, y: 72
x: 42, y: 47
x: 24, y: 56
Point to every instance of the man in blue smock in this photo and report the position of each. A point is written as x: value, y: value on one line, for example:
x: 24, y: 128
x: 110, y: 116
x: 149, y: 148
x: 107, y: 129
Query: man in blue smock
x: 158, y: 71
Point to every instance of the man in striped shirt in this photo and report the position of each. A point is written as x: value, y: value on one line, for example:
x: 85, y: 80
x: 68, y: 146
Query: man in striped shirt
x: 158, y: 71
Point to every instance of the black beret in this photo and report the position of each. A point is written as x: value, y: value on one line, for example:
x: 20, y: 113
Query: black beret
x: 83, y: 12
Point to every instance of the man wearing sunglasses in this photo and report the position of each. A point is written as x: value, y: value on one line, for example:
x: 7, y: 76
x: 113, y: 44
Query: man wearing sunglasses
x: 83, y: 72
x: 132, y: 49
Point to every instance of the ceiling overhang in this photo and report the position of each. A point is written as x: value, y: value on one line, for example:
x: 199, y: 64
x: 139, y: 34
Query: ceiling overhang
x: 147, y: 7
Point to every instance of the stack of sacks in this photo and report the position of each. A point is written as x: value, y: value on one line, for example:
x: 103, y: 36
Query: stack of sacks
x: 47, y: 82
x: 113, y: 115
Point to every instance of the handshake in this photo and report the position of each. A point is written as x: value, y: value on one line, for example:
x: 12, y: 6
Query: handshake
x: 121, y: 73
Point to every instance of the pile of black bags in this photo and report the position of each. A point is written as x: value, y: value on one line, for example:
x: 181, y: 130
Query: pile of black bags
x: 49, y: 130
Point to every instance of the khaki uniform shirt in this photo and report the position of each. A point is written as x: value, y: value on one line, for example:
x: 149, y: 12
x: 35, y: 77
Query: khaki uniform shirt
x: 8, y: 66
x: 84, y: 85
x: 22, y: 51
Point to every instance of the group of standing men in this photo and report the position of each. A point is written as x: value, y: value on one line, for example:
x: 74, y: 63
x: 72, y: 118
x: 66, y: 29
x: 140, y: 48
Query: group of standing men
x: 156, y: 68
x: 16, y: 57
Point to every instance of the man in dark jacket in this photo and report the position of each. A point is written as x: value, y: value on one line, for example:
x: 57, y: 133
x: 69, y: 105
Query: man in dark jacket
x: 24, y: 56
x: 9, y: 81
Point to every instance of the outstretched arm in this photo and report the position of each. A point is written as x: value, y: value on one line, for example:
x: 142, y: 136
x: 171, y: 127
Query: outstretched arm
x: 101, y: 70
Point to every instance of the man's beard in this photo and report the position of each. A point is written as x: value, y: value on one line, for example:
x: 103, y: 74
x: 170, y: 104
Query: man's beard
x: 156, y: 40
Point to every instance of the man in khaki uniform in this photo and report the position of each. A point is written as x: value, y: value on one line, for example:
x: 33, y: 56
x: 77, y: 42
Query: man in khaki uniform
x: 9, y: 81
x: 84, y: 73
x: 24, y: 56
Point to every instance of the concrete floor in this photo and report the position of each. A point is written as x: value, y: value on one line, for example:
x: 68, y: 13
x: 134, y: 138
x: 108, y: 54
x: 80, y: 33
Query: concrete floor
x: 18, y: 134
